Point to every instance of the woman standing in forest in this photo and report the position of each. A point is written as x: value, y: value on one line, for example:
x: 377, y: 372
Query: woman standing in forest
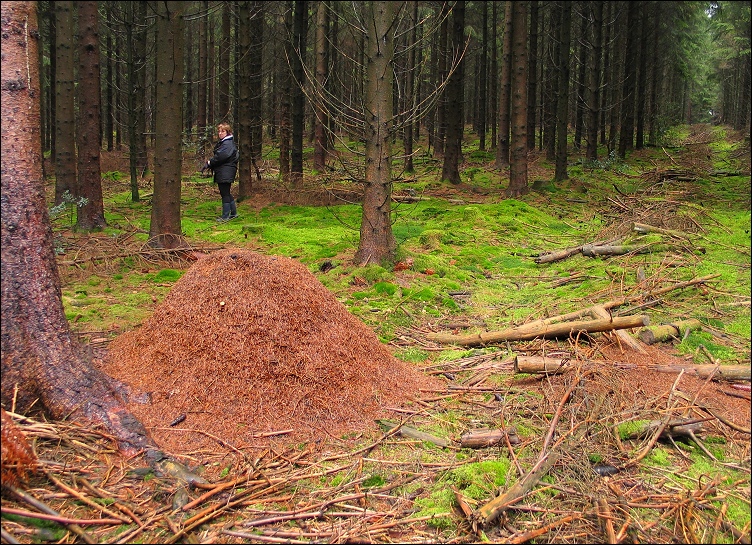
x: 224, y: 165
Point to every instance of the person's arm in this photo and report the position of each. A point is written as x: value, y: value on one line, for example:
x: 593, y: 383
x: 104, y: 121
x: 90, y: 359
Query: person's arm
x: 225, y: 151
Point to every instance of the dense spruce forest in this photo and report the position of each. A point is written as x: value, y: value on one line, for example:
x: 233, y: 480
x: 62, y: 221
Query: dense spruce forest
x: 155, y: 77
x: 488, y: 280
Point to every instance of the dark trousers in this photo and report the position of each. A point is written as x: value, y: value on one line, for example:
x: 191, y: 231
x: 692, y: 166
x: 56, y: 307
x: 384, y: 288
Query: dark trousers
x: 224, y: 191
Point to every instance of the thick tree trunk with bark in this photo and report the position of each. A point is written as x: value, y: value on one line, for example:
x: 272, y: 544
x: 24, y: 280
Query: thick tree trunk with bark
x: 165, y: 230
x: 377, y: 243
x: 42, y: 365
x: 91, y: 214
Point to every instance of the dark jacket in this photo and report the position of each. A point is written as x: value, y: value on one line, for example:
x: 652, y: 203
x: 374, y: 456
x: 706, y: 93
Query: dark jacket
x: 224, y: 162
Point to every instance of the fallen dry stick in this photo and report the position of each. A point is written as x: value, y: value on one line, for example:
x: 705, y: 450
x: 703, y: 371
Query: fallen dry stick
x: 534, y: 330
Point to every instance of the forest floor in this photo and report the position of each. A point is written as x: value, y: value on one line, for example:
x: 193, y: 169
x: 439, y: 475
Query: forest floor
x: 623, y: 446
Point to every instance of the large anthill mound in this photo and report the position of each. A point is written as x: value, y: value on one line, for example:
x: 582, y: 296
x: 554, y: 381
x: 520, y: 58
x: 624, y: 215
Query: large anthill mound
x: 246, y: 344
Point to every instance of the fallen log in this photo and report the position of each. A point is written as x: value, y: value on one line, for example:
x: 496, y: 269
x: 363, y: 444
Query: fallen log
x: 666, y: 332
x: 538, y: 329
x: 541, y: 365
x: 488, y: 438
x: 590, y: 250
x: 644, y: 229
x: 598, y: 311
x: 558, y: 255
x: 719, y: 372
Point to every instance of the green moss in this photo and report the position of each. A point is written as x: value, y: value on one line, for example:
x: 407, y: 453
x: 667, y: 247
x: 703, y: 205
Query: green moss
x: 628, y: 429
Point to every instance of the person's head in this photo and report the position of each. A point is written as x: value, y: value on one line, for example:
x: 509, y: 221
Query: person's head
x: 223, y: 130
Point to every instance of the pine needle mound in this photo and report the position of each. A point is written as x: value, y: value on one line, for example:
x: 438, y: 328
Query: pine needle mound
x: 246, y: 344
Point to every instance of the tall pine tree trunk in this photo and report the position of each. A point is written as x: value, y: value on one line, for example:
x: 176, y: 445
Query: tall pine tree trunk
x: 377, y: 244
x: 65, y: 100
x: 626, y: 135
x: 505, y: 86
x: 593, y: 82
x: 321, y: 117
x: 642, y: 78
x: 300, y: 24
x: 562, y: 106
x: 245, y: 180
x: 454, y: 95
x: 518, y: 165
x: 532, y: 75
x: 165, y: 230
x: 91, y: 214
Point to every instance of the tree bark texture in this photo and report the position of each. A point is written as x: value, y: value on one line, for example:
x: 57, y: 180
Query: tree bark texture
x: 90, y: 215
x: 297, y: 61
x: 243, y: 129
x: 489, y: 438
x: 518, y: 147
x: 454, y: 114
x: 377, y: 243
x: 40, y: 357
x: 626, y: 134
x: 592, y: 100
x: 667, y: 332
x: 65, y: 103
x: 165, y: 230
x: 258, y: 11
x: 321, y: 116
x: 562, y: 105
x: 505, y: 89
x: 532, y: 75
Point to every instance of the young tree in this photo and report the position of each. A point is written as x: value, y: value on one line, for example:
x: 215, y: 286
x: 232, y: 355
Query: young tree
x: 377, y: 243
x: 41, y: 360
x: 165, y: 230
x: 91, y: 214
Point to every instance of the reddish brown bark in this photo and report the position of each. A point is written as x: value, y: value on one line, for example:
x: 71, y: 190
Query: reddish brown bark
x: 91, y: 214
x: 42, y: 365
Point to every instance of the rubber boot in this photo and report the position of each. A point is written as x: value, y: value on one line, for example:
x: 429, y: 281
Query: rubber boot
x: 225, y: 212
x: 233, y: 209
